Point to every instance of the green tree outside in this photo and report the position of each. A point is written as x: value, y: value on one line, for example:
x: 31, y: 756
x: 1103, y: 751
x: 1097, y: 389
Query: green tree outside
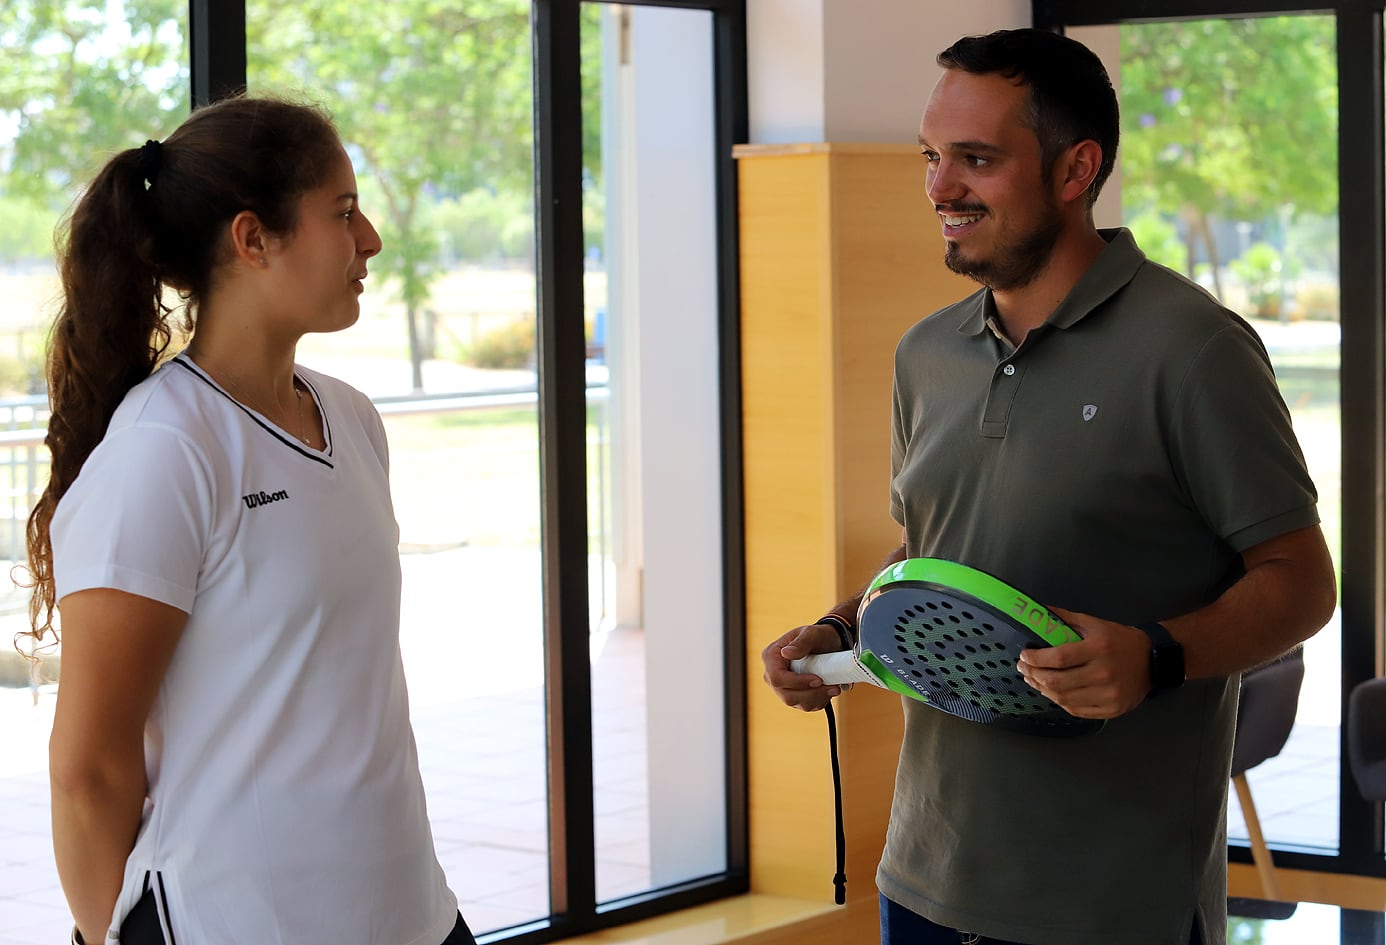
x: 82, y: 80
x: 84, y: 87
x: 1234, y: 119
x: 434, y: 98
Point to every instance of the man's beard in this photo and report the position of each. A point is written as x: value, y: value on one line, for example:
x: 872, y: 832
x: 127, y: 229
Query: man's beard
x: 1016, y: 262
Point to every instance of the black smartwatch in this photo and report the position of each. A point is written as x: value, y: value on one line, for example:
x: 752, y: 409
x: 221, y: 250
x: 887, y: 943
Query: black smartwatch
x: 1166, y: 659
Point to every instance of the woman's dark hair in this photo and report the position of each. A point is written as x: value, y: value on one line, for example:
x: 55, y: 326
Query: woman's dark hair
x: 1071, y: 96
x: 157, y: 218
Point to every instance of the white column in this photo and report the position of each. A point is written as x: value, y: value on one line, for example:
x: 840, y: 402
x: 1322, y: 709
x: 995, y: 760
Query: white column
x: 669, y: 186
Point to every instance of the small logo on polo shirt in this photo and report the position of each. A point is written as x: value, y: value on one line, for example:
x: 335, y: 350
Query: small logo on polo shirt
x: 257, y: 499
x: 1089, y: 411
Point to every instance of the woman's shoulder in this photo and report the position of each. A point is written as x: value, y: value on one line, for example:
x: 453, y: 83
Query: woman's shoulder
x: 172, y: 399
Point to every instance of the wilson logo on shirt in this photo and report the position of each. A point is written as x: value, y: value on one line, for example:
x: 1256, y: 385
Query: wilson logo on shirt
x: 257, y: 499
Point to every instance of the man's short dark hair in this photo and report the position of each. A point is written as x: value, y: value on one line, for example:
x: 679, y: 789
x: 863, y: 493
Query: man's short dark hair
x: 1071, y: 96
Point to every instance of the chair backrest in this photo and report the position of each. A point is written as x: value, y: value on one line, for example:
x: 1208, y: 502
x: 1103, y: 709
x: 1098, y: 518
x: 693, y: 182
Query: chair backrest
x: 1366, y: 738
x: 1266, y: 712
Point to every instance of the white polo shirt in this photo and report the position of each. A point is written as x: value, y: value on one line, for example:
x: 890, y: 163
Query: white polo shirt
x: 285, y: 805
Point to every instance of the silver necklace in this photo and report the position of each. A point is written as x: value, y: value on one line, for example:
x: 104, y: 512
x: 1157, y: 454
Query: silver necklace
x: 302, y: 435
x: 302, y: 426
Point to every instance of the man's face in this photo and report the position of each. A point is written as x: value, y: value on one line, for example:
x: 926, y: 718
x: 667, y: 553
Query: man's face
x: 1000, y: 219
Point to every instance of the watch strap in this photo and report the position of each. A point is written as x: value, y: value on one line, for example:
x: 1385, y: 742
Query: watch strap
x: 1158, y: 632
x: 1166, y: 658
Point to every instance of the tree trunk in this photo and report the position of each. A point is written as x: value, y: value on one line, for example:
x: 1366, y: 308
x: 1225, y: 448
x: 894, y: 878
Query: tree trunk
x: 428, y: 338
x: 415, y: 352
x: 1196, y: 227
x: 1205, y: 230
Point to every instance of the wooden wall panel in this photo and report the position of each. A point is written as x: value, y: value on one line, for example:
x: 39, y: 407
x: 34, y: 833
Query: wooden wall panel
x: 888, y: 274
x: 789, y: 520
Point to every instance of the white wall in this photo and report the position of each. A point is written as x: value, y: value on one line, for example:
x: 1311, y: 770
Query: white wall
x: 854, y: 70
x: 784, y: 70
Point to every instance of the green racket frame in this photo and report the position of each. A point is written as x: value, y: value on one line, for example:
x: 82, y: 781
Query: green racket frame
x: 948, y: 635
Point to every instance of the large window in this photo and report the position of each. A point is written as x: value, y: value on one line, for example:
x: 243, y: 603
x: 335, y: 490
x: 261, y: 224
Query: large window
x: 560, y: 406
x: 1252, y: 161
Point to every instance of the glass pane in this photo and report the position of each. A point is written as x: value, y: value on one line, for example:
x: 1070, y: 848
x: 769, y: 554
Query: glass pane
x: 655, y: 502
x: 80, y: 81
x: 434, y: 105
x: 1229, y: 174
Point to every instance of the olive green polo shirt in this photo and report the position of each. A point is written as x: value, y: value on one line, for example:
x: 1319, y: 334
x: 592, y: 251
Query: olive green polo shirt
x: 1116, y: 463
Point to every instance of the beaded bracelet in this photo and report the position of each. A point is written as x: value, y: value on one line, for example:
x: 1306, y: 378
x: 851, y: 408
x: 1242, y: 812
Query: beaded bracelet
x: 844, y: 629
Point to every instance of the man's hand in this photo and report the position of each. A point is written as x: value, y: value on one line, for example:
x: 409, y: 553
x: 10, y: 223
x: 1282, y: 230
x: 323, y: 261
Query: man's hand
x: 1102, y: 676
x: 800, y: 690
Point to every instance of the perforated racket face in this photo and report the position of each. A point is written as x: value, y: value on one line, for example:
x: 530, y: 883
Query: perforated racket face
x: 958, y: 653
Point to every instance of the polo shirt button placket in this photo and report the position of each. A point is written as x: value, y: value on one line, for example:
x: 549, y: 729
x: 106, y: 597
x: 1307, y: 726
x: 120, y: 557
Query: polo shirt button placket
x: 997, y: 414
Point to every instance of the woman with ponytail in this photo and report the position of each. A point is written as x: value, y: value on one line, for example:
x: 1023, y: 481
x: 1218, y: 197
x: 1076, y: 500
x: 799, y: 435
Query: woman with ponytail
x: 231, y: 757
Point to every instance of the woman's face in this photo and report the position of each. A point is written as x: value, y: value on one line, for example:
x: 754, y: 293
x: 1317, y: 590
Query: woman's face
x: 324, y: 260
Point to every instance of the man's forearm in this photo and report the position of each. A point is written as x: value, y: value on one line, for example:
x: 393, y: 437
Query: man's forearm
x: 847, y: 609
x: 1282, y: 599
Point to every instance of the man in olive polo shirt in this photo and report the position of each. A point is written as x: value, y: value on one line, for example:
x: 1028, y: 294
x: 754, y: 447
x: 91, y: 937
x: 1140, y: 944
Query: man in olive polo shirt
x: 1098, y: 431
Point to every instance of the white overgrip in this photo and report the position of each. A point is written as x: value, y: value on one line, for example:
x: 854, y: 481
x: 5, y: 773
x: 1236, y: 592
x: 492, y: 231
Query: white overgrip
x: 835, y: 669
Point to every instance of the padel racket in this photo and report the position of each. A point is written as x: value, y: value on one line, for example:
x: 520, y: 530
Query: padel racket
x: 948, y: 635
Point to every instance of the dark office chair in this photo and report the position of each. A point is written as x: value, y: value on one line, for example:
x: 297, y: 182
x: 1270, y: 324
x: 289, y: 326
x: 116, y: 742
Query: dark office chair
x: 1366, y: 738
x: 1265, y: 715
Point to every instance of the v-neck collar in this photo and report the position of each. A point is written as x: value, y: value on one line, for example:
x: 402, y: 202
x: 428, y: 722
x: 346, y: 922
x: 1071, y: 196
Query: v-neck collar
x: 324, y: 456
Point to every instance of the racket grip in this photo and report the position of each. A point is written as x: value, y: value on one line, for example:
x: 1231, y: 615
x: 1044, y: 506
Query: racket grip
x: 834, y: 668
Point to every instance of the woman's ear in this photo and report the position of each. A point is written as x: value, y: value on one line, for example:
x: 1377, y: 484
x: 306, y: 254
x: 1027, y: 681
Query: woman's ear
x: 250, y: 241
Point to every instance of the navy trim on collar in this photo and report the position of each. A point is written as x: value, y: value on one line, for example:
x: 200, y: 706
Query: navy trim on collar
x: 181, y: 360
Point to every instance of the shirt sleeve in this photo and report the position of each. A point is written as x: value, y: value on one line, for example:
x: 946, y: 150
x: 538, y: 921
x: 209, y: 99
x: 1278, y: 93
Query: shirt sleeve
x: 136, y: 519
x: 898, y: 445
x: 1234, y: 446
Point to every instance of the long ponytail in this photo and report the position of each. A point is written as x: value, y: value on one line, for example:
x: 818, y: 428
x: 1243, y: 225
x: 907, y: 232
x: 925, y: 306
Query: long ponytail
x: 111, y: 331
